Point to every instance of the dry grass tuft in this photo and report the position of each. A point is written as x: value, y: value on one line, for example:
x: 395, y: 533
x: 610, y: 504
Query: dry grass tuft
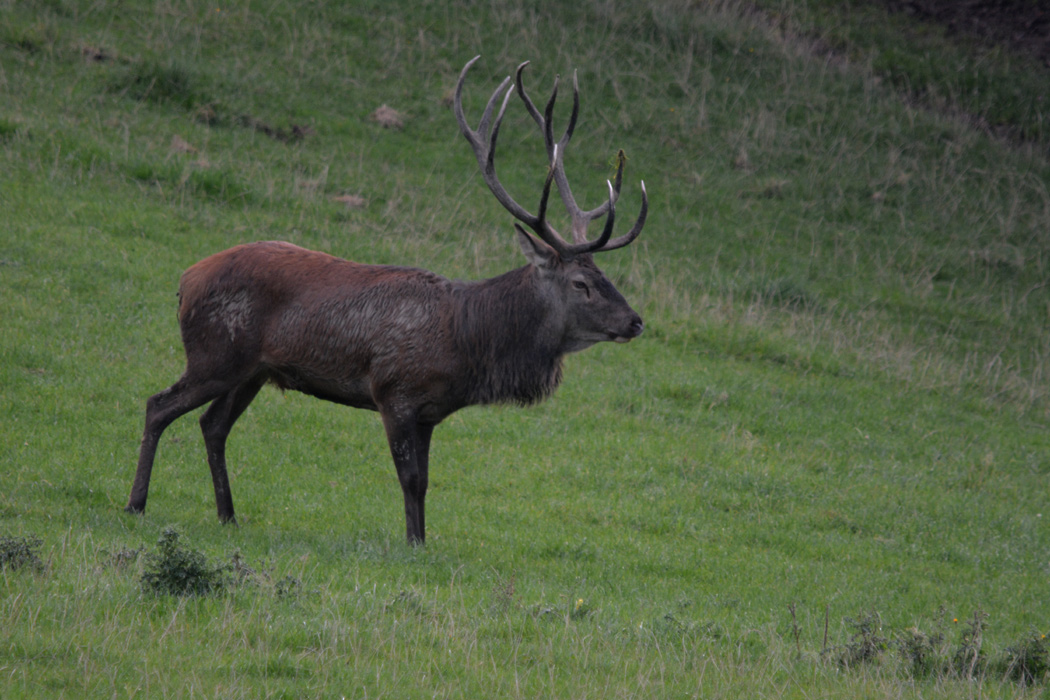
x: 181, y: 145
x: 388, y: 117
x: 352, y: 201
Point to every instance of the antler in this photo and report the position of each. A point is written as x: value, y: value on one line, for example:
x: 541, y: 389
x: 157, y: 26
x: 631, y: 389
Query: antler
x: 483, y: 141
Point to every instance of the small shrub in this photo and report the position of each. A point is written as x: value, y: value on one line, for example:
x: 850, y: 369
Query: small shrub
x: 19, y: 552
x: 288, y: 587
x: 176, y: 570
x: 1029, y: 661
x: 161, y: 83
x: 923, y: 653
x: 122, y: 558
x: 969, y: 660
x: 866, y: 644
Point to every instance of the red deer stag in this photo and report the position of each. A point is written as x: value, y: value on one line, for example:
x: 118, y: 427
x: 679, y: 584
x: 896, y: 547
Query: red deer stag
x: 405, y: 342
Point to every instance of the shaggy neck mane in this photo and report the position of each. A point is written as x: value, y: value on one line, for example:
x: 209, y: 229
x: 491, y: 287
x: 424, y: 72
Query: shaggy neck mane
x: 507, y: 340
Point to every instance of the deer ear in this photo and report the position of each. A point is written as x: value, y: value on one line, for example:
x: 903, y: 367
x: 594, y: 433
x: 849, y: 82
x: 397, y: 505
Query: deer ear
x: 536, y: 251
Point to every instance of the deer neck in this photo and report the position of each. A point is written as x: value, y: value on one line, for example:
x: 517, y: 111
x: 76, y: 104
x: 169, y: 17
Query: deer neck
x: 508, y: 336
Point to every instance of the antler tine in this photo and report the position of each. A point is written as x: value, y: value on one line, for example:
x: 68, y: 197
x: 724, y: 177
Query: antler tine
x: 575, y: 110
x: 490, y: 162
x: 548, y: 121
x: 545, y: 196
x: 608, y: 228
x: 486, y: 116
x: 457, y: 105
x: 530, y: 107
x: 623, y: 240
x: 485, y: 146
x: 580, y: 218
x: 544, y: 120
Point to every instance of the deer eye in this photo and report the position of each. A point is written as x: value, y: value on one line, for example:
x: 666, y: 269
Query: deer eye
x: 580, y: 285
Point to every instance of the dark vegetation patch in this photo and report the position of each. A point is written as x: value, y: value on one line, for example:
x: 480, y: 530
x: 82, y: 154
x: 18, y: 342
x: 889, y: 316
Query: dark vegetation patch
x: 173, y: 569
x: 932, y: 653
x: 8, y: 129
x: 983, y: 61
x: 1011, y: 104
x: 1028, y: 661
x: 1023, y: 25
x: 20, y: 552
x: 38, y: 38
x: 867, y: 642
x: 161, y: 82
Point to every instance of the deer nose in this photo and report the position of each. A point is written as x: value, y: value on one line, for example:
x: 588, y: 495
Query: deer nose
x: 633, y: 330
x: 634, y: 325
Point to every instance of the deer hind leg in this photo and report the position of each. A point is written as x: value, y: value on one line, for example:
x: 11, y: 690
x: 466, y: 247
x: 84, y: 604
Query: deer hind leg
x: 161, y: 410
x: 216, y: 424
x: 410, y: 447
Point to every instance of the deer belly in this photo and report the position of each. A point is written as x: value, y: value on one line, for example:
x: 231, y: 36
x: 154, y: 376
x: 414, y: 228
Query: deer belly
x: 349, y: 391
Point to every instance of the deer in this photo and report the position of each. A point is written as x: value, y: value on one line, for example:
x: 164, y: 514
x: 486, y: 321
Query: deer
x: 401, y: 341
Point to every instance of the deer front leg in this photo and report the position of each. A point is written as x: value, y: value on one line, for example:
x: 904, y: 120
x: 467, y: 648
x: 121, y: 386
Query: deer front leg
x: 410, y: 447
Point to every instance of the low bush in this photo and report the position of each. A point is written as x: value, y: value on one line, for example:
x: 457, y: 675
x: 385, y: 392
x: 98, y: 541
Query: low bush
x: 177, y: 570
x: 20, y: 552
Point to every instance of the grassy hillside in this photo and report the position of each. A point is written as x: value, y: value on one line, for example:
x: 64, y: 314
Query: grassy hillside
x: 821, y: 472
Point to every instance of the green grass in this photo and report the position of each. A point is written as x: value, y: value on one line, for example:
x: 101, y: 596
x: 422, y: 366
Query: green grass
x: 840, y: 406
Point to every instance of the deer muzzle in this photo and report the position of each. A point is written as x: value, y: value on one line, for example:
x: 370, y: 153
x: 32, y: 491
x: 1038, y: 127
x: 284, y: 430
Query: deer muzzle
x: 633, y: 331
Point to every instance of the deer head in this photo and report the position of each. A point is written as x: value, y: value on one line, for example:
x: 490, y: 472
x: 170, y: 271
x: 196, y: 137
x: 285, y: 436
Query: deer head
x: 595, y: 310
